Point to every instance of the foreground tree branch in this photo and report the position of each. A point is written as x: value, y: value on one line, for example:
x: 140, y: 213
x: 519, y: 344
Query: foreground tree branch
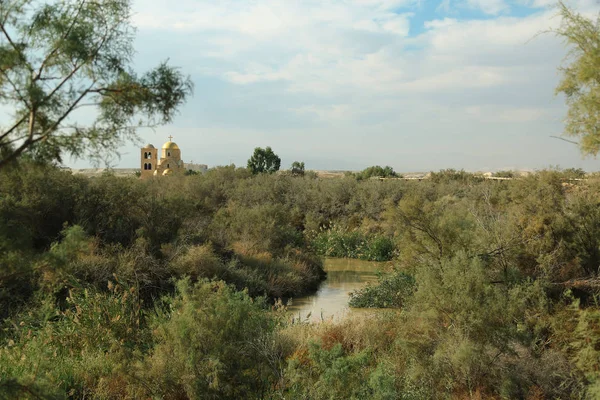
x: 84, y: 47
x: 580, y: 81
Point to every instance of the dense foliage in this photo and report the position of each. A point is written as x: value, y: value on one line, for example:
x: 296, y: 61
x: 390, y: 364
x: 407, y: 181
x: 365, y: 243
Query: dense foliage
x: 264, y: 161
x: 376, y: 172
x: 120, y: 288
x: 339, y: 242
x: 392, y: 291
x: 580, y: 77
x: 297, y: 168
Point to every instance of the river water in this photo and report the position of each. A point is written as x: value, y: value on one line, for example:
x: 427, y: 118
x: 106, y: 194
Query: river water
x: 331, y: 300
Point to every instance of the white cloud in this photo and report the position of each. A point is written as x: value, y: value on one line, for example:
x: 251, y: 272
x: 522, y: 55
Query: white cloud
x: 353, y: 68
x: 463, y: 78
x: 487, y: 36
x: 266, y: 17
x: 336, y: 47
x: 440, y: 23
x: 542, y: 3
x: 329, y: 113
x: 495, y: 113
x: 493, y: 7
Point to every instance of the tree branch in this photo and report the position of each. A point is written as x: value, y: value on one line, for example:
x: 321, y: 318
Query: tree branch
x: 15, y: 140
x: 87, y: 104
x: 14, y: 46
x: 30, y: 140
x: 566, y: 140
x: 15, y: 88
x: 31, y: 127
x: 15, y: 126
x: 76, y: 68
x: 45, y: 134
x: 56, y: 48
x: 65, y: 114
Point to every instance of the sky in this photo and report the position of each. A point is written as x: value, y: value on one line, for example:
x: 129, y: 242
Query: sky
x: 345, y: 84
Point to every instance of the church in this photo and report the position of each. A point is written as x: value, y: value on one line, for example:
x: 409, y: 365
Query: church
x: 170, y: 162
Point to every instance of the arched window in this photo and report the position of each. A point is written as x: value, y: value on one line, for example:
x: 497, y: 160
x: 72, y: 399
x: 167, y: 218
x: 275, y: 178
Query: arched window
x: 149, y: 165
x: 145, y: 166
x: 168, y: 166
x: 168, y: 154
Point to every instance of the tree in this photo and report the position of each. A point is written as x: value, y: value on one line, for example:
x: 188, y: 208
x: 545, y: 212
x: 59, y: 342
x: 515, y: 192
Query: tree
x: 377, y: 171
x: 581, y: 78
x: 297, y: 168
x: 58, y: 59
x: 264, y: 160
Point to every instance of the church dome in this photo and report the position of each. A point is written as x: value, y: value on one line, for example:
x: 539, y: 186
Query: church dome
x: 170, y: 146
x: 167, y: 171
x: 149, y: 146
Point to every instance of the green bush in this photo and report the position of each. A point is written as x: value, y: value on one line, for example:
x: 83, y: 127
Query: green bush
x: 260, y: 274
x: 505, y: 174
x: 376, y: 171
x: 391, y: 291
x: 85, y: 348
x: 338, y: 242
x: 333, y: 374
x: 378, y: 248
x: 213, y: 342
x: 450, y: 175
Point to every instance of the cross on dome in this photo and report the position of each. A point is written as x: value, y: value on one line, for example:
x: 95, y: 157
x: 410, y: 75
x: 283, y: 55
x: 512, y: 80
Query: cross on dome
x: 170, y: 138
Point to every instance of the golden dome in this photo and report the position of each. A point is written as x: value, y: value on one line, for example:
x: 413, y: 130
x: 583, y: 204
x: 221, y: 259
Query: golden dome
x: 170, y: 146
x: 167, y: 171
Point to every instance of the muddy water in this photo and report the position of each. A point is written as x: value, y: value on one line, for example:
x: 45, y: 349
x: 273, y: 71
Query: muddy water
x: 331, y: 300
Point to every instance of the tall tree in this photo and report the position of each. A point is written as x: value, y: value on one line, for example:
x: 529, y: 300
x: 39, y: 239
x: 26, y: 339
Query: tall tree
x: 61, y: 58
x: 264, y: 160
x: 581, y: 78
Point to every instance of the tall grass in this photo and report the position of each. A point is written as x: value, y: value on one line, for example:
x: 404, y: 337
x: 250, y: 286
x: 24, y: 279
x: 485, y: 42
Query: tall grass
x: 339, y: 242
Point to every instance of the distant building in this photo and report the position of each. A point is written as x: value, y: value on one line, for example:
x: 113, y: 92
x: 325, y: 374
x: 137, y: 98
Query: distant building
x: 170, y: 162
x: 201, y: 168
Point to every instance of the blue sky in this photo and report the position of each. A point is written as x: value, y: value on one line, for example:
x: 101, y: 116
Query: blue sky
x: 344, y: 84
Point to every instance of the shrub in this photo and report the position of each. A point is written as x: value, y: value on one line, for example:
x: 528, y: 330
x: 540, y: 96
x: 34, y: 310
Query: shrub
x: 338, y: 242
x: 376, y: 171
x: 258, y: 272
x: 391, y: 291
x: 332, y: 373
x: 505, y: 174
x: 450, y: 175
x: 213, y: 342
x: 198, y: 262
x: 378, y: 248
x: 297, y: 168
x: 79, y: 351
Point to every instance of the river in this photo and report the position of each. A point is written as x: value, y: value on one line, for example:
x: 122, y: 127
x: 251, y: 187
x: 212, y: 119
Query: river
x: 344, y: 275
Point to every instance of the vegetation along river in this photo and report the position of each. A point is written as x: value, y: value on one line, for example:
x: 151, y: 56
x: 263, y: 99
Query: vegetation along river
x: 344, y: 275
